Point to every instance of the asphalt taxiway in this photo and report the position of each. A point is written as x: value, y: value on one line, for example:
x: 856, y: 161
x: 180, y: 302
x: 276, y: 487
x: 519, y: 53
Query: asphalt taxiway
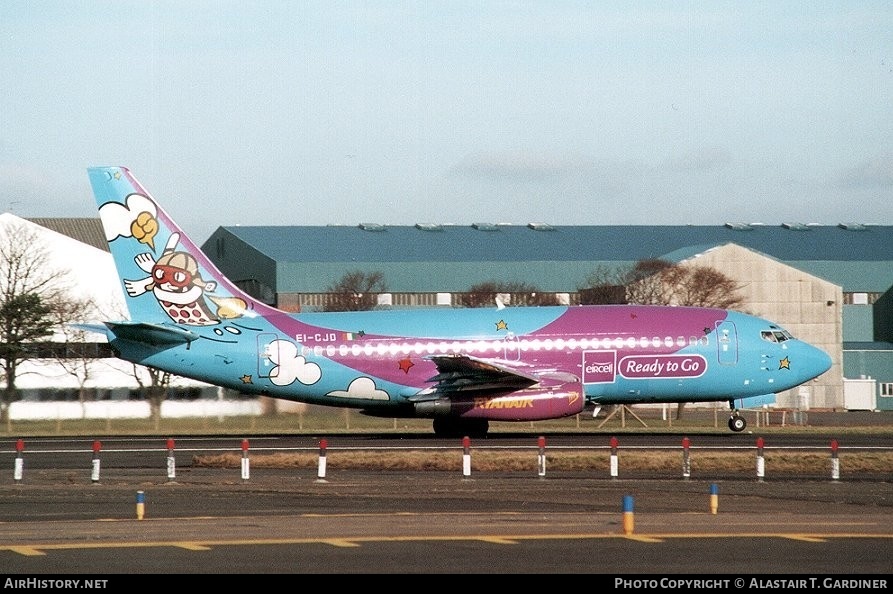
x: 134, y: 520
x: 212, y: 521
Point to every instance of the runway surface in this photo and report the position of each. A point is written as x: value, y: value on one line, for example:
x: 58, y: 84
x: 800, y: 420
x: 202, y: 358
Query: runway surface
x: 136, y: 520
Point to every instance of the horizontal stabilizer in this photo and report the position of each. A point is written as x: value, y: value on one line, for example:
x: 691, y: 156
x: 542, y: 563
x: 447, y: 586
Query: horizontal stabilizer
x: 151, y: 334
x: 97, y: 328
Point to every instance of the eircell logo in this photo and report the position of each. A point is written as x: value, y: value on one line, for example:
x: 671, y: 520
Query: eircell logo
x: 599, y: 367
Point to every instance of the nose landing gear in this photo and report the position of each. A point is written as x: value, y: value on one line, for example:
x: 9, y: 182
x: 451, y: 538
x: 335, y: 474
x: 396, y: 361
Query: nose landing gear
x: 737, y: 423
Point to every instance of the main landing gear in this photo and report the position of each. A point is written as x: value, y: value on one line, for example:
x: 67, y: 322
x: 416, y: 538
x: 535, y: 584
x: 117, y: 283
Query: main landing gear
x: 457, y: 427
x: 737, y: 423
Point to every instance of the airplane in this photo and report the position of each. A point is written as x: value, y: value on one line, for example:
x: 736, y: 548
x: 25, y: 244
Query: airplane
x: 460, y: 367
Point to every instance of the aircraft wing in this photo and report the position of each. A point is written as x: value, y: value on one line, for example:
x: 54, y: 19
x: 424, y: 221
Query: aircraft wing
x: 469, y: 376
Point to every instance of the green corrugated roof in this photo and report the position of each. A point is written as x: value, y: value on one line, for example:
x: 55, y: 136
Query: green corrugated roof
x: 516, y: 242
x: 85, y: 230
x: 857, y: 258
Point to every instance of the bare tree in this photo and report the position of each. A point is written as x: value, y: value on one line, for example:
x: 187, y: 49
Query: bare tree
x: 604, y: 285
x: 643, y: 282
x: 649, y: 282
x: 479, y: 295
x: 355, y: 291
x: 155, y: 388
x: 707, y: 287
x: 153, y: 383
x: 77, y: 354
x: 32, y: 295
x: 519, y: 293
x: 660, y: 282
x: 685, y: 284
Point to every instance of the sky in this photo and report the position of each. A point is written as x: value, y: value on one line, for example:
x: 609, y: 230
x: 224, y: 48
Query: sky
x: 452, y: 112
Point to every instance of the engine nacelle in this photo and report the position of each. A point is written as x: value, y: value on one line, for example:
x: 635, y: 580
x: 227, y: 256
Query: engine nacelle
x: 532, y: 404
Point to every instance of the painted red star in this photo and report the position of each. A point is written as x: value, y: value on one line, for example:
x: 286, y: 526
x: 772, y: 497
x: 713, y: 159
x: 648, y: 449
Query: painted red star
x: 405, y: 364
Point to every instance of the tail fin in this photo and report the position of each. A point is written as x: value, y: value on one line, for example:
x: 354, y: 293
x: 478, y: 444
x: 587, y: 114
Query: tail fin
x: 166, y: 278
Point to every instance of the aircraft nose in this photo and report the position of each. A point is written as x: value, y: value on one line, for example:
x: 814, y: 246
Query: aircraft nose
x: 817, y: 361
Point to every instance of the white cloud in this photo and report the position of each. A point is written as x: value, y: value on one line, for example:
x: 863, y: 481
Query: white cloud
x: 289, y: 366
x: 362, y: 387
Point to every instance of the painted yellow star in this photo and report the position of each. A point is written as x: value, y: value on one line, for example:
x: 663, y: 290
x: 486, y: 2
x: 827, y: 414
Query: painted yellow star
x: 784, y: 363
x: 501, y: 325
x: 246, y: 379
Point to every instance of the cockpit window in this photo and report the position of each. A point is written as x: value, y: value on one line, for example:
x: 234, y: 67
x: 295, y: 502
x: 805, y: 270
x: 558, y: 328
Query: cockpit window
x: 776, y: 335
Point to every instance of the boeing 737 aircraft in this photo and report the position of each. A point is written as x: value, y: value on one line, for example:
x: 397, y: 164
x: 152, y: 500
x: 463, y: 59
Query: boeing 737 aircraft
x: 459, y: 367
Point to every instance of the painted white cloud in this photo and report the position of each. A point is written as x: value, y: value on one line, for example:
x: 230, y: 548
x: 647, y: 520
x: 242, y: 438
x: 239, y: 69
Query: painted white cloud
x: 290, y: 366
x: 362, y: 387
x: 117, y: 218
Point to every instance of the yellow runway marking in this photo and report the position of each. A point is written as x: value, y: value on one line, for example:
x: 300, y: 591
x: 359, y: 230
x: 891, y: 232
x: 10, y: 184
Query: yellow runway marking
x: 340, y: 542
x: 191, y: 546
x: 350, y: 542
x: 642, y: 538
x: 27, y: 551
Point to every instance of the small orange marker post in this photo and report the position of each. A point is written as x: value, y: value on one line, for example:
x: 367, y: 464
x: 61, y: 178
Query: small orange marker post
x: 714, y: 498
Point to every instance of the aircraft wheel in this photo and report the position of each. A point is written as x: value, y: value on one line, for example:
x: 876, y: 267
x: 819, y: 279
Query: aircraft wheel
x: 443, y: 427
x: 477, y: 428
x: 737, y: 423
x: 451, y: 427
